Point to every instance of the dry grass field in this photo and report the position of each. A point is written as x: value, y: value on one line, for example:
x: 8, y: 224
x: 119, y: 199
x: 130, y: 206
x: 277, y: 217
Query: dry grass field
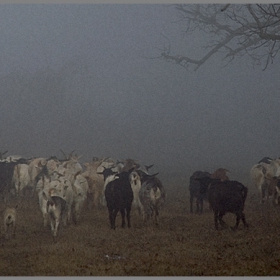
x: 183, y: 244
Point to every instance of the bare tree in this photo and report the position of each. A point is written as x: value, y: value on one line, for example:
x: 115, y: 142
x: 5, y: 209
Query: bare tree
x: 233, y: 29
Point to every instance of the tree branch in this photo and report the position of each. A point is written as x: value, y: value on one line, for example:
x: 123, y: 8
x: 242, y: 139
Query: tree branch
x: 238, y: 29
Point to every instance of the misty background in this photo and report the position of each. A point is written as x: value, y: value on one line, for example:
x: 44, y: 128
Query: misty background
x: 88, y: 78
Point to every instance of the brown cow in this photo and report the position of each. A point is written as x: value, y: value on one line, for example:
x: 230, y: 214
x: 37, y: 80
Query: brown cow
x: 220, y: 173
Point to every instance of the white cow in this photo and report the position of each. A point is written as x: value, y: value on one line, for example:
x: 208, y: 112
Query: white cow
x: 95, y: 181
x: 21, y: 178
x: 70, y: 168
x: 60, y: 187
x: 262, y: 173
x: 80, y: 190
x: 135, y: 183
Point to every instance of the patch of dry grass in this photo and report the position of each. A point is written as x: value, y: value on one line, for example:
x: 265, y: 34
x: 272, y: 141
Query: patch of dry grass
x: 183, y: 244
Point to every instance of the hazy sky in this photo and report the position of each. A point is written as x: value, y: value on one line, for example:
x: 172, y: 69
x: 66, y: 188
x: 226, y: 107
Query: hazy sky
x: 86, y: 78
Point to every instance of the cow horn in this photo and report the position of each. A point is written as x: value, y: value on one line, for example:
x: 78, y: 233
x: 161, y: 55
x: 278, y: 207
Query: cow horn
x: 63, y: 154
x: 149, y: 166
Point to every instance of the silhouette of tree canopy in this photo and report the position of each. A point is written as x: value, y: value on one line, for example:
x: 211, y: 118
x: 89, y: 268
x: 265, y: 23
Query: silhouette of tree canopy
x: 232, y: 29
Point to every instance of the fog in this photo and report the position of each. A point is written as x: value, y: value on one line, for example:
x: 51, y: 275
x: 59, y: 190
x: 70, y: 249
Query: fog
x: 88, y: 78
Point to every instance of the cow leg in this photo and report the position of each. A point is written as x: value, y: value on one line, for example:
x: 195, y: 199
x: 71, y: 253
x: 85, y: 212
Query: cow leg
x: 191, y: 203
x: 111, y: 218
x: 156, y: 216
x: 262, y: 194
x: 244, y: 220
x: 237, y: 221
x: 96, y: 200
x: 52, y: 226
x: 90, y: 201
x: 45, y: 218
x: 69, y: 214
x: 128, y: 209
x: 139, y: 210
x: 115, y: 212
x: 55, y: 228
x: 123, y: 217
x: 76, y: 212
x: 220, y: 218
x: 64, y: 218
x: 216, y: 219
x: 14, y: 230
x: 199, y: 205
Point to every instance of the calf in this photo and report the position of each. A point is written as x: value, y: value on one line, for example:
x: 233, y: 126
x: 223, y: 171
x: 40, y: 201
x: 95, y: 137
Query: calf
x: 226, y: 197
x: 10, y: 216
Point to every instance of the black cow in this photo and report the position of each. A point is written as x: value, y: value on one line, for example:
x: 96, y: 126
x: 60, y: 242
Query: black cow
x: 195, y: 191
x: 226, y: 197
x: 119, y: 197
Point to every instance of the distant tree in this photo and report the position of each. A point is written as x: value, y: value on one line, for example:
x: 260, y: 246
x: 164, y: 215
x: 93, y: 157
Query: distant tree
x: 234, y: 29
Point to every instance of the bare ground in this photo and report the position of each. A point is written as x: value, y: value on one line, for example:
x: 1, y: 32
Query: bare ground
x: 183, y: 244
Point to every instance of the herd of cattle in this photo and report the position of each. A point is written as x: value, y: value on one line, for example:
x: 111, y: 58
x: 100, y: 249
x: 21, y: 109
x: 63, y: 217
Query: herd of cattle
x: 64, y: 185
